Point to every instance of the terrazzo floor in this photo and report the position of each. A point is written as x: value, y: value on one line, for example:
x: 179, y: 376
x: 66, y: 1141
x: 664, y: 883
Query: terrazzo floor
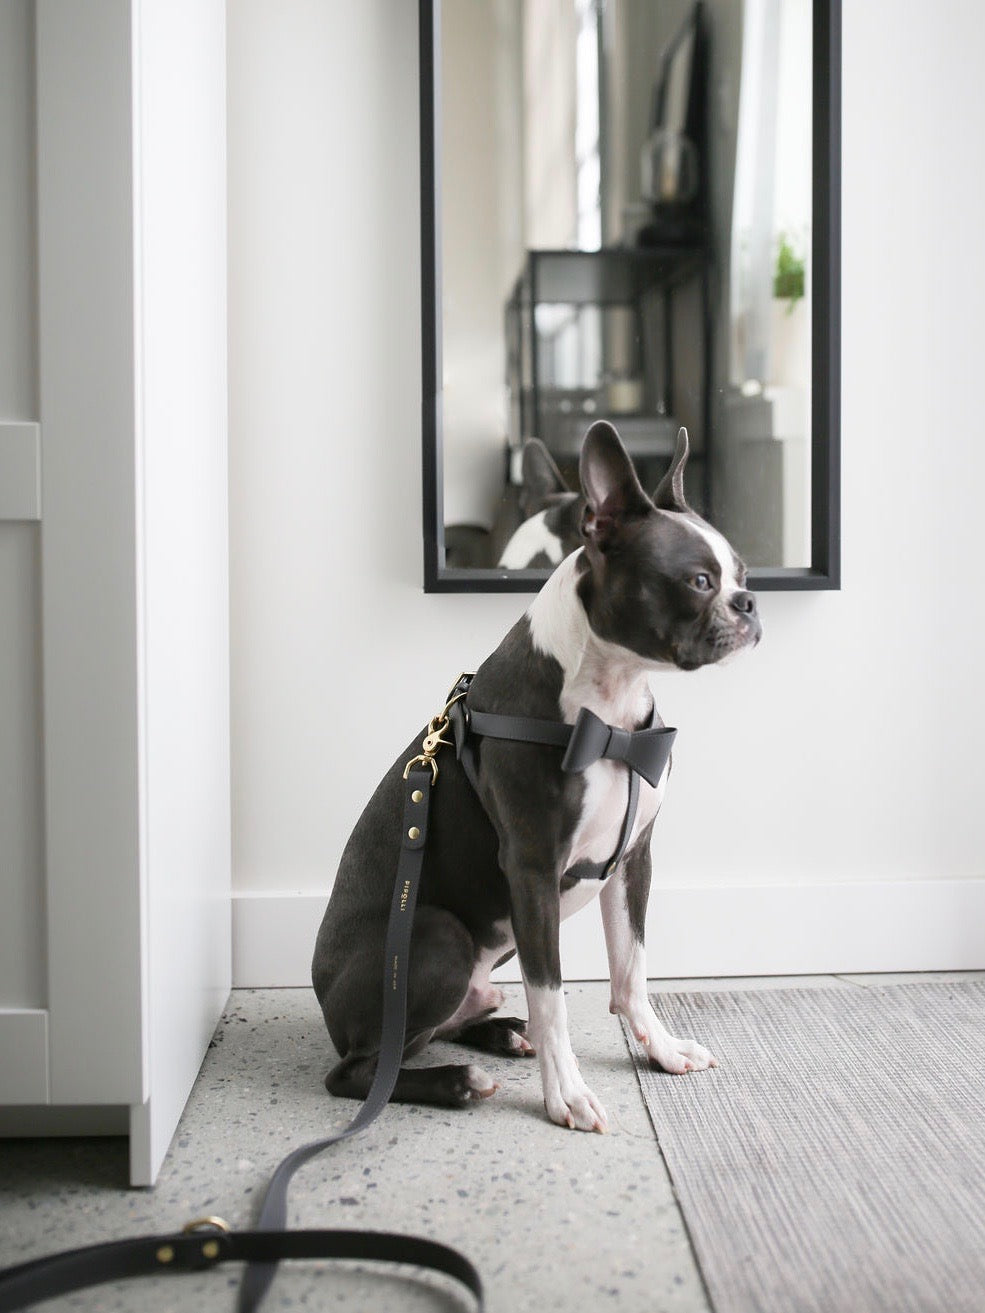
x: 553, y: 1219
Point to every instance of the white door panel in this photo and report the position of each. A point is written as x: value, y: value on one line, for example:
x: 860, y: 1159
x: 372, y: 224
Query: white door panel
x: 23, y: 1056
x: 114, y: 823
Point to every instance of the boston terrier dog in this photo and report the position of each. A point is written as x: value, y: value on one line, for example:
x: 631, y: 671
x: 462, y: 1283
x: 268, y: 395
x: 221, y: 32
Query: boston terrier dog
x: 653, y: 587
x: 551, y: 527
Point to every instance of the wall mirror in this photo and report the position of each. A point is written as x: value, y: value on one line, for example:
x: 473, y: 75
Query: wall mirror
x: 630, y: 210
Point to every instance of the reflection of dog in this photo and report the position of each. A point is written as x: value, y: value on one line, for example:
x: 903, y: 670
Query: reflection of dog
x: 551, y: 528
x: 654, y: 586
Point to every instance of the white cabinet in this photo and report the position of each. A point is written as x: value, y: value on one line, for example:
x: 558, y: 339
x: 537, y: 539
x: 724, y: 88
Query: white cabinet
x: 114, y: 698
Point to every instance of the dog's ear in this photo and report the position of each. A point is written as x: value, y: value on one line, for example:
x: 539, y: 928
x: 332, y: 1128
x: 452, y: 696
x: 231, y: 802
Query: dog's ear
x: 541, y: 478
x: 612, y: 491
x: 669, y: 495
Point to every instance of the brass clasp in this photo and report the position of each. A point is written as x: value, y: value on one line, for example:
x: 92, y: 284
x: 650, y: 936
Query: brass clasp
x: 433, y: 739
x: 206, y: 1224
x: 210, y: 1249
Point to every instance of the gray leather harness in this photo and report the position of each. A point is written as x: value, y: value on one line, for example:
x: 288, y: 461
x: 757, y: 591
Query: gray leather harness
x: 645, y: 751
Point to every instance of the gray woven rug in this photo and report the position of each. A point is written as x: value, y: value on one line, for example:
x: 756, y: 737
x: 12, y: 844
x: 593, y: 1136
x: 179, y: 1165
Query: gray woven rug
x: 834, y: 1162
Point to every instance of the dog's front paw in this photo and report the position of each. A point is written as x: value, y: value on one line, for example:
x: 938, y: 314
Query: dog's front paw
x: 678, y: 1055
x: 569, y: 1102
x: 663, y: 1049
x: 567, y: 1098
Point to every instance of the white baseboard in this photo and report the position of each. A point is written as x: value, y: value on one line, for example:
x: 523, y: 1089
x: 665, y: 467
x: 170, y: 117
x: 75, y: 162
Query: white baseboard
x: 727, y: 930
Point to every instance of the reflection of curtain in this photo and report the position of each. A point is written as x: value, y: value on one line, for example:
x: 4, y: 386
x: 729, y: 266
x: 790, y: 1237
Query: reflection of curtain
x: 755, y: 176
x: 549, y: 111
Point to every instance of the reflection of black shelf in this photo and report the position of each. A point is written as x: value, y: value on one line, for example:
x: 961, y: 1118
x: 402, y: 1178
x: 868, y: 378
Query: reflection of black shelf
x: 639, y: 280
x: 616, y: 276
x: 645, y: 437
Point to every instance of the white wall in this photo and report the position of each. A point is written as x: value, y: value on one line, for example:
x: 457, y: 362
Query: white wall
x: 844, y: 752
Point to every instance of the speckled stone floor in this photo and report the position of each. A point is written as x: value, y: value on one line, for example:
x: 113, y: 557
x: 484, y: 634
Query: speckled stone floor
x: 553, y: 1219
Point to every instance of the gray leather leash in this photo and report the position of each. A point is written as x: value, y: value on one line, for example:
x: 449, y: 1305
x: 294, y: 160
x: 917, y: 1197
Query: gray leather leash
x: 208, y: 1242
x: 419, y: 777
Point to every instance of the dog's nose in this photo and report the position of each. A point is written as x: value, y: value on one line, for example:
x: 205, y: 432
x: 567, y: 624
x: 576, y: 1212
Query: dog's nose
x: 744, y: 602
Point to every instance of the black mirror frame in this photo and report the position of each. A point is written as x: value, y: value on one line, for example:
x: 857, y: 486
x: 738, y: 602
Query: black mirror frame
x: 824, y: 571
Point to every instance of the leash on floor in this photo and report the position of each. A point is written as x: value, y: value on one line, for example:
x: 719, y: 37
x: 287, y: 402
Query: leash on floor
x: 208, y: 1241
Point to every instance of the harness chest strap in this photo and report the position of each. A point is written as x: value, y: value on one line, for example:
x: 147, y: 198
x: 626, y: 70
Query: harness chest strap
x: 645, y: 751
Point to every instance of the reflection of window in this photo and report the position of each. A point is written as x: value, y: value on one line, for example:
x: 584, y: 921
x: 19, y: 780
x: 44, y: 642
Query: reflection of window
x: 570, y: 346
x: 773, y: 176
x: 588, y: 160
x: 562, y: 160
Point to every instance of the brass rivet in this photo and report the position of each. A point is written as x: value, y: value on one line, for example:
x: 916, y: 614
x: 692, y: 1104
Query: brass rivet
x: 210, y: 1249
x: 413, y: 832
x: 165, y: 1254
x: 417, y: 796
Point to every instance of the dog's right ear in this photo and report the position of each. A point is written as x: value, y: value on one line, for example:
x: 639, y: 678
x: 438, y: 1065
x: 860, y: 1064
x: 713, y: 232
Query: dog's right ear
x: 612, y: 491
x: 541, y: 478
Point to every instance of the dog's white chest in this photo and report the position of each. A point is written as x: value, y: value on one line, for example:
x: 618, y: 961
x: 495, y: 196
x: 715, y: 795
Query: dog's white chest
x: 610, y: 681
x: 603, y: 811
x: 599, y: 827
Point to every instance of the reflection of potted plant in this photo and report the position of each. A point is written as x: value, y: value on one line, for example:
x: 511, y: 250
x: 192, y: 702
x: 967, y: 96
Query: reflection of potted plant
x: 788, y: 276
x: 791, y: 343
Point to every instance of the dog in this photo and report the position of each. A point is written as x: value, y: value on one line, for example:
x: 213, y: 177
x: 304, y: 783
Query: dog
x: 551, y: 527
x: 652, y: 587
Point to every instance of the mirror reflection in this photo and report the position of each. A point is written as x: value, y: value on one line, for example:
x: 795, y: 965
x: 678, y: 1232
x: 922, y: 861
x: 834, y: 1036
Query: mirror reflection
x: 625, y: 217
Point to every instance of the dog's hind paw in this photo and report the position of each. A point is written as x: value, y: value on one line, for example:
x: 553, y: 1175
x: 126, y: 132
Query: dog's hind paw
x: 503, y: 1035
x: 480, y: 1084
x: 454, y: 1086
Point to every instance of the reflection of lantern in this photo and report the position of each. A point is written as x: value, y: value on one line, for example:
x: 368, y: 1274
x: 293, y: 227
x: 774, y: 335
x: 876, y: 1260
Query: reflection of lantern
x: 669, y: 168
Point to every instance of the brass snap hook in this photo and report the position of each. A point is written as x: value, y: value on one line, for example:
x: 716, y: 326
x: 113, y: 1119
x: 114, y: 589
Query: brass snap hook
x: 433, y: 740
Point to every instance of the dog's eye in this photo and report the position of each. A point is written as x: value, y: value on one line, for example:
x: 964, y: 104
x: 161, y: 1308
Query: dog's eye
x: 701, y: 582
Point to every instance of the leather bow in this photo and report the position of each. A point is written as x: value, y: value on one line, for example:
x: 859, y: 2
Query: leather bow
x: 645, y: 751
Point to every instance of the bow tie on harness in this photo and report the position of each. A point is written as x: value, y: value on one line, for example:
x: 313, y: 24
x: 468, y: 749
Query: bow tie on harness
x: 645, y: 751
x: 209, y: 1241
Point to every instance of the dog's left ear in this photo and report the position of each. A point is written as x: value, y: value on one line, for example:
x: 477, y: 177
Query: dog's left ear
x: 612, y: 491
x: 540, y: 478
x: 669, y: 495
